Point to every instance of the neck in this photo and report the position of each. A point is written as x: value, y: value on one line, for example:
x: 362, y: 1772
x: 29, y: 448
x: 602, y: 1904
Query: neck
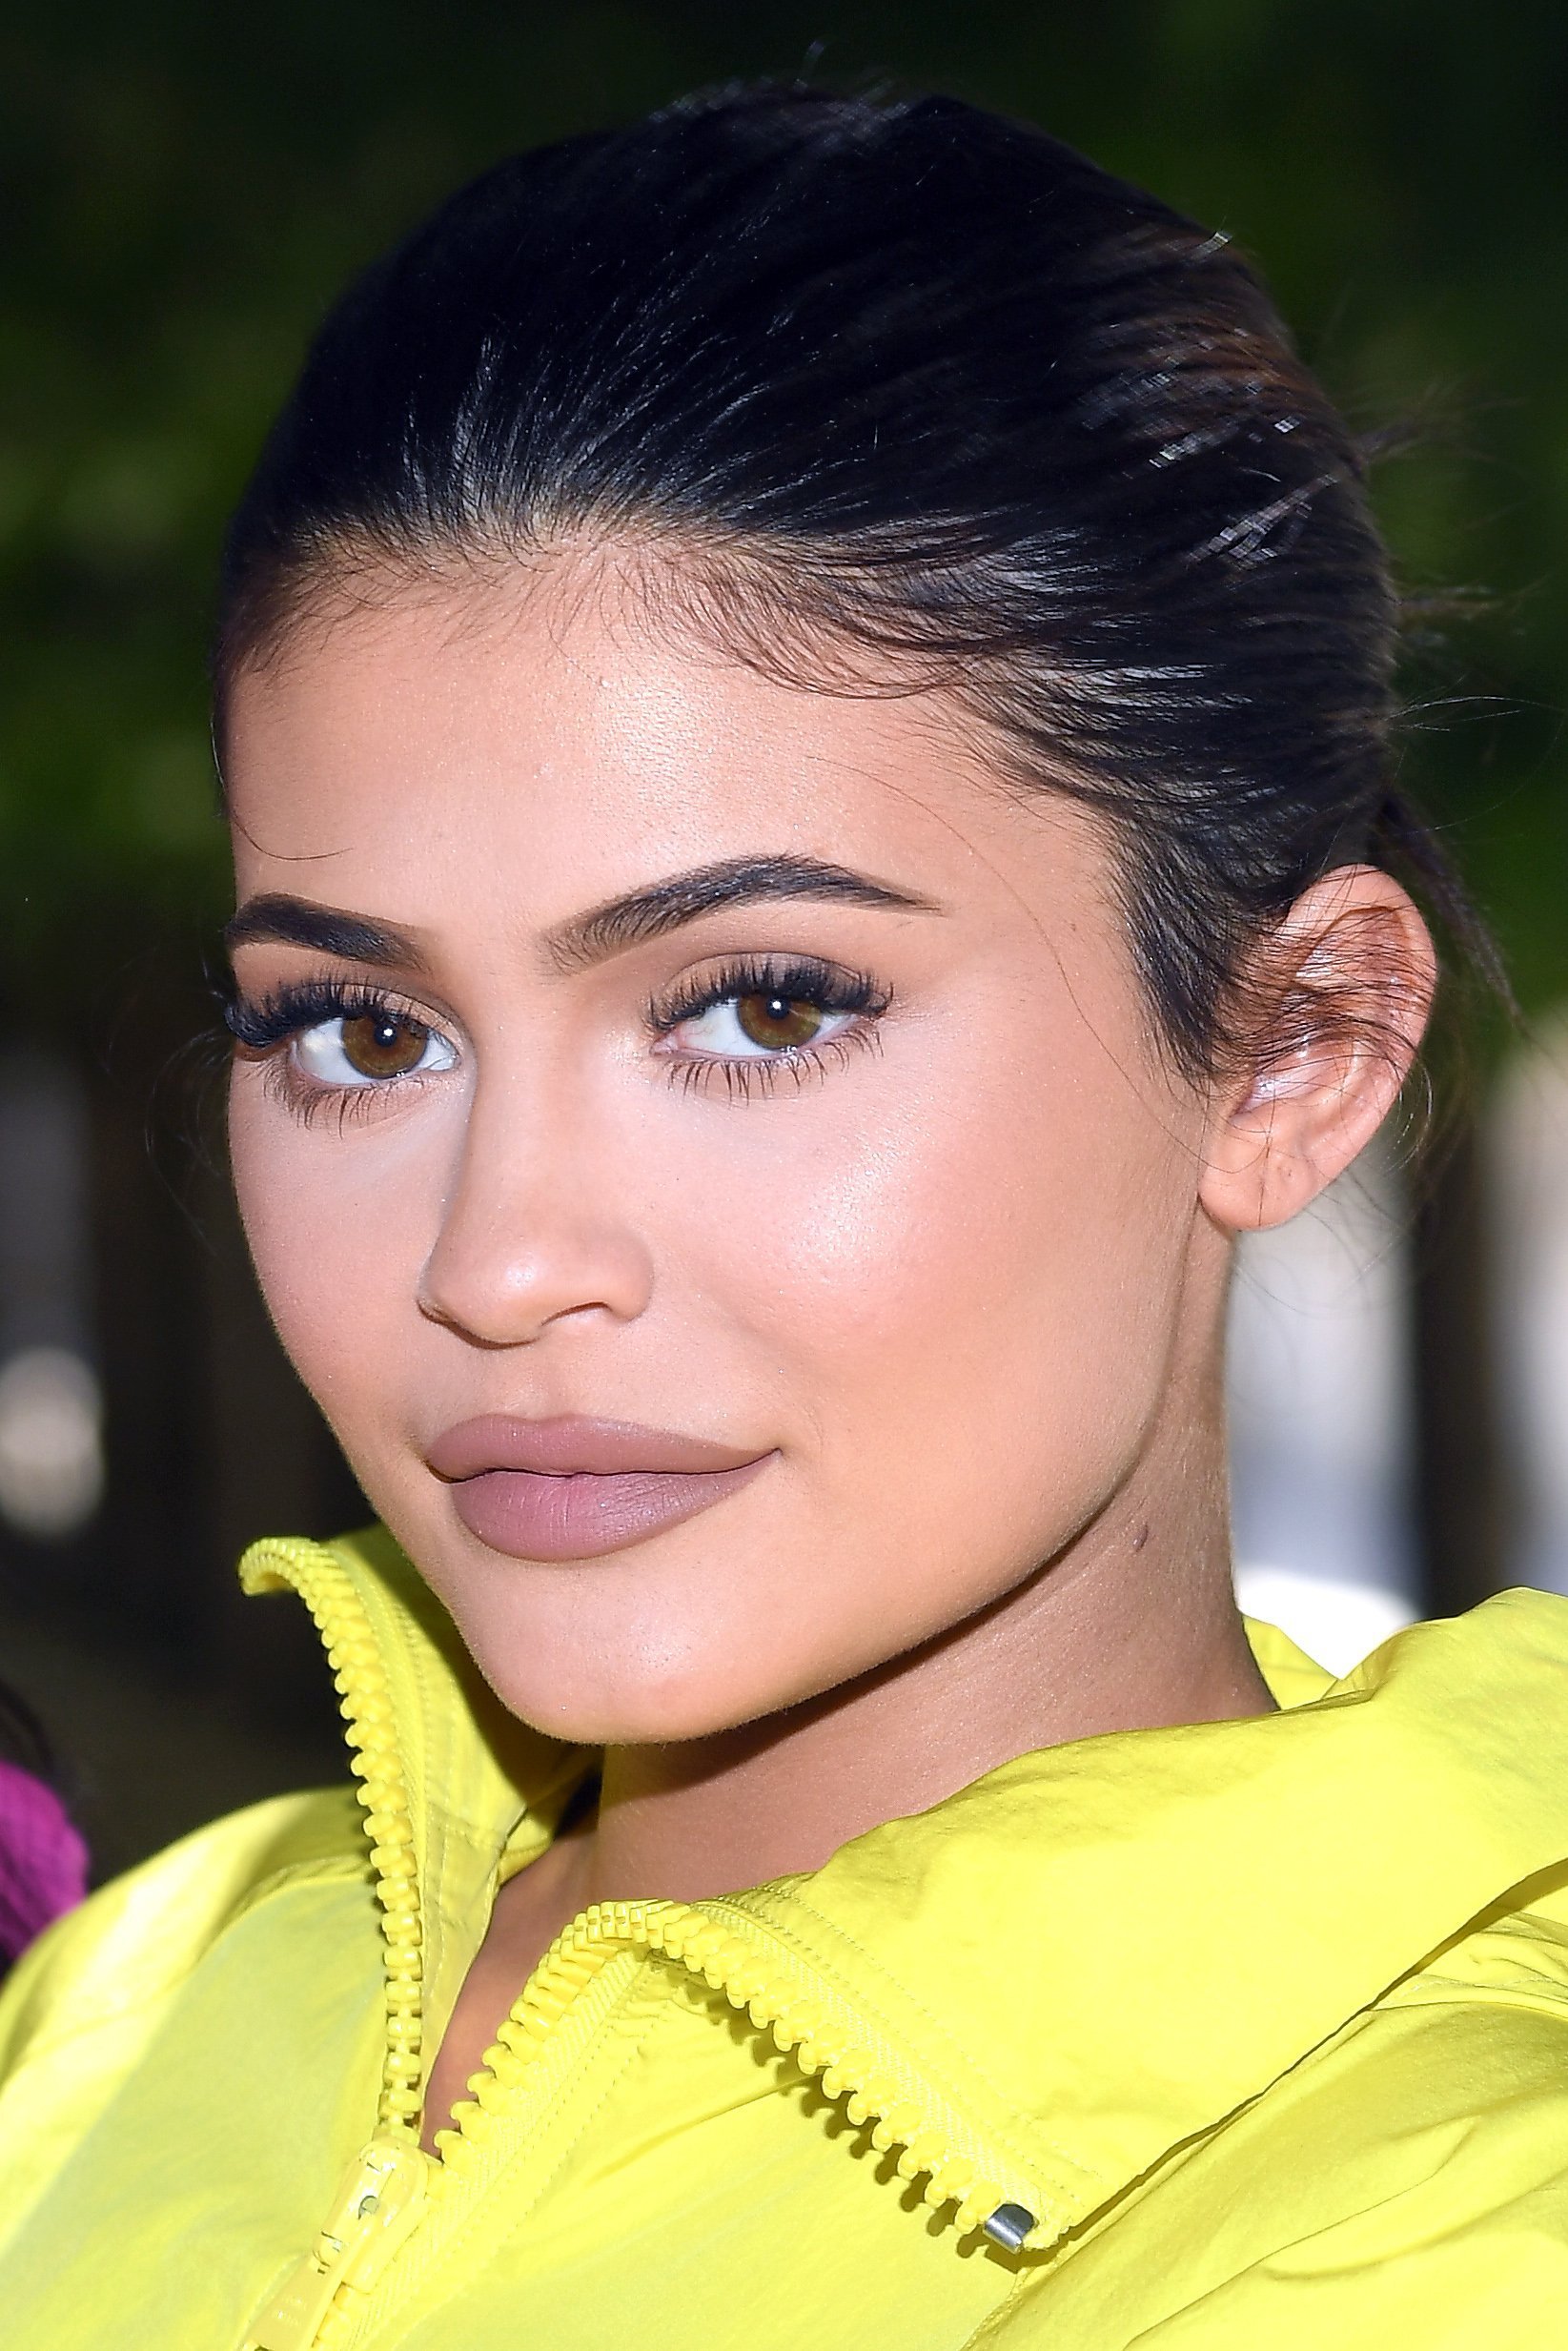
x: 1132, y: 1626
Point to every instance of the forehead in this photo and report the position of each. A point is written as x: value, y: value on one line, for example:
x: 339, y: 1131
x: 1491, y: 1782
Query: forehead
x: 543, y: 735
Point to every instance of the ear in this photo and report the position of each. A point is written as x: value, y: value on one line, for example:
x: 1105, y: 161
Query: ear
x: 1342, y: 990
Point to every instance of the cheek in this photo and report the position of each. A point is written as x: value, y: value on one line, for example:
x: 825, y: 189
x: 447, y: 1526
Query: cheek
x: 338, y: 1233
x: 980, y: 1276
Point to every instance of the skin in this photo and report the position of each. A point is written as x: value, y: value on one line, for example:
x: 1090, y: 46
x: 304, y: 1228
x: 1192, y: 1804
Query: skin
x: 962, y: 1283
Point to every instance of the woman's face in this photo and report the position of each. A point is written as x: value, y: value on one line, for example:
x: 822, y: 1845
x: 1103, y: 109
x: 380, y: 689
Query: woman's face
x: 701, y: 1144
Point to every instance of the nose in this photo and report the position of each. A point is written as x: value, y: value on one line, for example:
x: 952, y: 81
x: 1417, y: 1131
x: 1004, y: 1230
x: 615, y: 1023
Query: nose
x: 531, y: 1233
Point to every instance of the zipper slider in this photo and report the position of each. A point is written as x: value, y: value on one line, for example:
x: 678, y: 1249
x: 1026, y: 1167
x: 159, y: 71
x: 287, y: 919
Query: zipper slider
x: 377, y: 2206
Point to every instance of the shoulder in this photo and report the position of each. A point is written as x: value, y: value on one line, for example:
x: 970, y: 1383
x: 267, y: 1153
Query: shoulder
x: 1406, y: 2183
x: 1410, y: 2187
x: 199, y: 1976
x: 137, y: 1939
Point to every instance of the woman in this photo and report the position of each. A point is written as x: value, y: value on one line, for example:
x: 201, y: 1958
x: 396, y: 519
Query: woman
x: 803, y: 694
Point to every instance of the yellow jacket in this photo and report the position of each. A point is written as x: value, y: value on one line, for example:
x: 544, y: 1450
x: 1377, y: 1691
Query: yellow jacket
x: 1245, y: 2036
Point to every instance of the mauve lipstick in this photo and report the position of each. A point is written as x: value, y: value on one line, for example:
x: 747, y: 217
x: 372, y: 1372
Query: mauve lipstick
x: 577, y: 1488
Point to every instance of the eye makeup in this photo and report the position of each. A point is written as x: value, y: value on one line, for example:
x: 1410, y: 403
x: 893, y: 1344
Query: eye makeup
x: 753, y: 1020
x: 333, y: 1044
x: 744, y: 1024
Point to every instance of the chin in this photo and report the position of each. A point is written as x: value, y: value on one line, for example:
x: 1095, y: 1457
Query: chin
x: 594, y: 1709
x: 605, y: 1684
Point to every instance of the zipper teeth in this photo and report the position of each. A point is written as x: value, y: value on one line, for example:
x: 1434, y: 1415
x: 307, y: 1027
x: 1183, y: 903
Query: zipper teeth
x: 366, y: 1707
x: 827, y: 2039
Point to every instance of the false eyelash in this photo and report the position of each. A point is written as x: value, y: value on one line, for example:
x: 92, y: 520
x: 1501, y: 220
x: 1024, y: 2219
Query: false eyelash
x: 302, y: 1004
x: 747, y: 1079
x: 286, y: 1013
x: 831, y: 985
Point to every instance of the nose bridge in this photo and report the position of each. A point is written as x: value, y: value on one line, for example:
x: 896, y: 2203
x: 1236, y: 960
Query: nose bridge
x: 531, y: 1225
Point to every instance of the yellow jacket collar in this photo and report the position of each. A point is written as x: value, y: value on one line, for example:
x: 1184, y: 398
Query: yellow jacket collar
x: 1095, y: 1952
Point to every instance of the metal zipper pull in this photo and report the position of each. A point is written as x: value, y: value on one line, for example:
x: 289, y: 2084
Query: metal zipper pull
x: 1008, y: 2225
x: 377, y: 2206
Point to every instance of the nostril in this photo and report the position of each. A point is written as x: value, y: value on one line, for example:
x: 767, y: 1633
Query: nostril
x: 499, y: 1294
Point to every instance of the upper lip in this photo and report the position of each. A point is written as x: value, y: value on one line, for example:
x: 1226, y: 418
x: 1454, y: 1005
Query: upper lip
x: 573, y: 1445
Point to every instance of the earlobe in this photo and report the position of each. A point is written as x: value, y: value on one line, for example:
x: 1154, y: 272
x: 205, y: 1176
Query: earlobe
x: 1343, y: 989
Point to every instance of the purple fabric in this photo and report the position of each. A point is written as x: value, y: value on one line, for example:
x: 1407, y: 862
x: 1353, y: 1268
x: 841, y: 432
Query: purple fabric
x: 43, y: 1861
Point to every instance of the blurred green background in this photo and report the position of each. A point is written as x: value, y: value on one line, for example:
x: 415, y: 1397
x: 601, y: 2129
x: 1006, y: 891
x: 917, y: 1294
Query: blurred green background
x: 186, y: 187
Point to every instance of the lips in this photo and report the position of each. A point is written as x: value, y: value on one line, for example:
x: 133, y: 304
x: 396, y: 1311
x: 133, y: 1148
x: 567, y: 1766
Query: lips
x: 573, y: 1488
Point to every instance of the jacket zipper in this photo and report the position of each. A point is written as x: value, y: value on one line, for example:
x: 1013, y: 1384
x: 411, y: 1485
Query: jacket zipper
x: 756, y: 1975
x: 384, y: 2193
x: 392, y: 2183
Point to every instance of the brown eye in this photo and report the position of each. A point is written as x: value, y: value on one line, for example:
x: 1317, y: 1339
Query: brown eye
x: 371, y: 1047
x: 779, y: 1021
x: 384, y: 1044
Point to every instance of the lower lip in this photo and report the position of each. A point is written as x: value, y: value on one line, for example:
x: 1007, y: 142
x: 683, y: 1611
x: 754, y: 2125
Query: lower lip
x: 527, y: 1514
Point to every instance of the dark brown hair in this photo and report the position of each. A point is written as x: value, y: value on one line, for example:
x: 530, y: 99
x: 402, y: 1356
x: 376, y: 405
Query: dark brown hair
x: 921, y: 383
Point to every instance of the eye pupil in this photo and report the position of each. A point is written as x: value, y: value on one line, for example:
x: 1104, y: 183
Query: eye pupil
x: 779, y: 1020
x: 384, y: 1044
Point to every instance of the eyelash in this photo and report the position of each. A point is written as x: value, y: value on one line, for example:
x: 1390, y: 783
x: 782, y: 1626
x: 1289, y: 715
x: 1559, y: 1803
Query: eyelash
x: 283, y: 1013
x: 261, y: 1028
x: 833, y: 988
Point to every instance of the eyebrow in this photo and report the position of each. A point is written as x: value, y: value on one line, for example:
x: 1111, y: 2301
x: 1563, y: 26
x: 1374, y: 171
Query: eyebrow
x: 276, y: 918
x: 283, y: 921
x: 670, y: 904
